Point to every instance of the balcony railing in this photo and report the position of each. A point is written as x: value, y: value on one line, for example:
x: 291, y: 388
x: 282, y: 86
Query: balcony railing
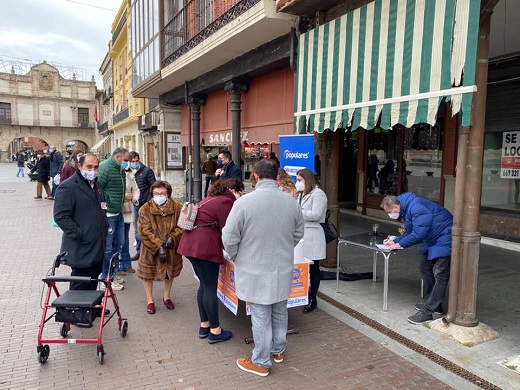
x: 148, y: 121
x: 107, y: 94
x: 103, y: 127
x: 121, y: 116
x: 196, y: 22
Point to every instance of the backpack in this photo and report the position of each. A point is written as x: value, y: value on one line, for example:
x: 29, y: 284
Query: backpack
x: 188, y: 215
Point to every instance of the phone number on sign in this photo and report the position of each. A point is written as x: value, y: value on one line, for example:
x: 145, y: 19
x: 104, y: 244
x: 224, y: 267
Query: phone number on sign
x: 510, y: 173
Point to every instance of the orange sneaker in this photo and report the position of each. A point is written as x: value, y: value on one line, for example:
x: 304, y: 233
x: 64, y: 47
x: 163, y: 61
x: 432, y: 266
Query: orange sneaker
x: 247, y: 365
x: 278, y: 358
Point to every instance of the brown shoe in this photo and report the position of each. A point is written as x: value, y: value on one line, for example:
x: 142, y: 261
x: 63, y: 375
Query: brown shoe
x: 248, y: 366
x: 121, y: 273
x: 130, y: 271
x: 135, y: 257
x: 37, y: 197
x: 49, y: 197
x: 278, y: 358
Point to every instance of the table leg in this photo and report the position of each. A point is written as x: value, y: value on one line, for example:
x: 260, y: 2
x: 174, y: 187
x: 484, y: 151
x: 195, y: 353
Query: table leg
x: 337, y: 267
x: 385, y: 283
x: 374, y: 267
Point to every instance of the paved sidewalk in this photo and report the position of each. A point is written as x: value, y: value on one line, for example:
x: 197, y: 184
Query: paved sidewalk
x: 163, y: 351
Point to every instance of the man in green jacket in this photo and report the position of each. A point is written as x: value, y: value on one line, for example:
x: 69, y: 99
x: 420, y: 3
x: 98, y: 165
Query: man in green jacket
x: 112, y: 179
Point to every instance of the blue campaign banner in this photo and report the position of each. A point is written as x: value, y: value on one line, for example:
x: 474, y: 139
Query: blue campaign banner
x: 296, y: 152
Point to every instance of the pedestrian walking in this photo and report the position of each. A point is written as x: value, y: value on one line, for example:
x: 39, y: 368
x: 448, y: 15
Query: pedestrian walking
x: 20, y: 162
x: 43, y: 171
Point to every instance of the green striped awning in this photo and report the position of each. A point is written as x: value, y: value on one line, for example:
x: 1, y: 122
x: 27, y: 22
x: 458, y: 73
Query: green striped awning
x: 393, y: 60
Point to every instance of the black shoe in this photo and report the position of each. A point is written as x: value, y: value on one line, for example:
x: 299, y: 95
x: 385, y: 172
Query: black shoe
x: 420, y: 318
x: 311, y: 306
x: 224, y: 335
x: 438, y: 310
x: 203, y: 332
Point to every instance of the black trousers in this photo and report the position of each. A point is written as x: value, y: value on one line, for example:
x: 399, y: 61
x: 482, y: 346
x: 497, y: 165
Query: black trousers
x: 207, y: 300
x: 92, y: 272
x: 315, y: 278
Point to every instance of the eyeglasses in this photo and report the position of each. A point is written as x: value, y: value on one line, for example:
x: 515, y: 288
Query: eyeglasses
x: 160, y: 193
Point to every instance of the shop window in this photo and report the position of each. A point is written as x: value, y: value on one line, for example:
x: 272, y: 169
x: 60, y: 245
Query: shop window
x: 501, y: 170
x: 405, y: 159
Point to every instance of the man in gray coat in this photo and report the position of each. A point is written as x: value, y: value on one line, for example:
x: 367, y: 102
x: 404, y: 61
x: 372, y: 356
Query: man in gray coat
x: 260, y: 235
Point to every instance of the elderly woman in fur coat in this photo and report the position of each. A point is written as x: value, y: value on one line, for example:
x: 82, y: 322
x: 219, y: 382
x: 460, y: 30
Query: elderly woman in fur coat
x: 160, y: 236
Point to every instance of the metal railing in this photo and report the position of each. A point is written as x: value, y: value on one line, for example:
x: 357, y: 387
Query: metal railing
x: 197, y: 21
x: 121, y: 116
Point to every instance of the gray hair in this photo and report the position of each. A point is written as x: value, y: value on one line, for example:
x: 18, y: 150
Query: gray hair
x: 390, y: 201
x: 119, y: 151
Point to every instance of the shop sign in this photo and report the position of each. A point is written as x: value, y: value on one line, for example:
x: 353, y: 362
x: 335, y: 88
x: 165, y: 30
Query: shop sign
x: 225, y: 138
x: 173, y: 151
x: 510, y: 162
x: 296, y: 152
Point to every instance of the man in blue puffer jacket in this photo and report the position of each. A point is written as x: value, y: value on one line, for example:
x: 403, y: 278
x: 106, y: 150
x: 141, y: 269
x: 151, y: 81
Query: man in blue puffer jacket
x: 429, y: 223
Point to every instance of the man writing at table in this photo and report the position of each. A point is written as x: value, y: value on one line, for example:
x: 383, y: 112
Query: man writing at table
x: 429, y: 223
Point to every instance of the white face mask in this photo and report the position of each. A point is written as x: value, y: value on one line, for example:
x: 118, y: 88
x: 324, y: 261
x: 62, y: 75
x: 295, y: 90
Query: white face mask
x: 89, y: 175
x: 300, y: 186
x: 393, y: 215
x: 159, y: 199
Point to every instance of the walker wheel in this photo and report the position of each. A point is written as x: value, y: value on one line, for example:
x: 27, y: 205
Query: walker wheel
x: 64, y: 330
x: 124, y: 329
x: 43, y: 353
x: 101, y: 354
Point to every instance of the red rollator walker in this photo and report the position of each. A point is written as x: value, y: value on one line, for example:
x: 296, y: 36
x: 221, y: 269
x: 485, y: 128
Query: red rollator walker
x: 78, y: 307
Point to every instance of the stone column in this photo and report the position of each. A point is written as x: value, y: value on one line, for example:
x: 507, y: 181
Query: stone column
x: 195, y: 102
x: 236, y: 89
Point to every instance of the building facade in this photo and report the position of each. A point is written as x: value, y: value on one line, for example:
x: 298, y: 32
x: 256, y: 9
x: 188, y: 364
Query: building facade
x: 44, y: 107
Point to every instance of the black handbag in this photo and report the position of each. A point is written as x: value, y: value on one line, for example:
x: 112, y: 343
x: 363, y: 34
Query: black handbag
x: 330, y: 235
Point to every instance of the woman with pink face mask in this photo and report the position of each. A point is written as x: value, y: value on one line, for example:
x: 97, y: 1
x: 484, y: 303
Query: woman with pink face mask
x: 204, y: 249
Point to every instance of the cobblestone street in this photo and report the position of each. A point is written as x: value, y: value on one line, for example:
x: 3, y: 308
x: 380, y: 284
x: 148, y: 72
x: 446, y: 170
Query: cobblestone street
x: 163, y: 351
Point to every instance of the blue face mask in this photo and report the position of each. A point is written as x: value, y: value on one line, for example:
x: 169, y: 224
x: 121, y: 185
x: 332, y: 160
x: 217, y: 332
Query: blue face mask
x: 220, y: 164
x: 135, y: 165
x: 125, y: 165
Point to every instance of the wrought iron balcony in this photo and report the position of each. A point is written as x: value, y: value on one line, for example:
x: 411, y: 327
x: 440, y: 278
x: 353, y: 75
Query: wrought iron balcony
x: 107, y: 94
x: 103, y: 127
x: 197, y: 21
x: 121, y: 116
x: 148, y: 121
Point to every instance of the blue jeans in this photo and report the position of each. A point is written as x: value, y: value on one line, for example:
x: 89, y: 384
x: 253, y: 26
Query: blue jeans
x: 125, y: 251
x: 269, y: 324
x: 136, y: 235
x: 435, y: 274
x: 20, y: 172
x: 115, y: 241
x: 54, y: 186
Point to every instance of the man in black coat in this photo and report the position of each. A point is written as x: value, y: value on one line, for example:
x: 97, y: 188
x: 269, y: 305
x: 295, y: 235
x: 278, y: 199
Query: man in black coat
x: 79, y: 210
x: 43, y: 169
x: 229, y: 169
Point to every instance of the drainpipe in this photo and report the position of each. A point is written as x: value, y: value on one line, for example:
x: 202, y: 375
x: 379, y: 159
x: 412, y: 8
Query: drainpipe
x: 456, y: 231
x: 195, y: 102
x: 235, y: 89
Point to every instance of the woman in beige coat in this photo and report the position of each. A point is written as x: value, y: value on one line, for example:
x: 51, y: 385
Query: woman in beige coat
x: 160, y: 236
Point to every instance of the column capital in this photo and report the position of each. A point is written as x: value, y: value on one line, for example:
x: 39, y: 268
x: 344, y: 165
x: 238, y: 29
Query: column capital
x: 196, y: 100
x: 235, y: 88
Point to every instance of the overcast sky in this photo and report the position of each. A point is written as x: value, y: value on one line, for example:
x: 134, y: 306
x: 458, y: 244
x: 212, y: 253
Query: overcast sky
x: 68, y: 32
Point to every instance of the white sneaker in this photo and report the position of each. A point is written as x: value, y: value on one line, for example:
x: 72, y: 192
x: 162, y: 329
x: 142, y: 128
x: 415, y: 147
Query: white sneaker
x: 119, y: 280
x: 117, y: 287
